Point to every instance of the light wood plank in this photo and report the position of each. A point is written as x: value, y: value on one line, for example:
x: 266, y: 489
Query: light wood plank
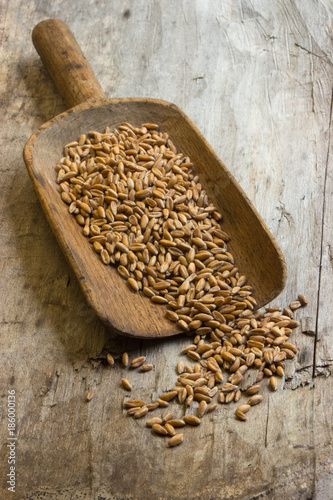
x: 256, y: 78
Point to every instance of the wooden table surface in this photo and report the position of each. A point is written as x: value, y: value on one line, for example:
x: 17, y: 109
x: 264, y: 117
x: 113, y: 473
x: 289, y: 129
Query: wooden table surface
x: 256, y: 78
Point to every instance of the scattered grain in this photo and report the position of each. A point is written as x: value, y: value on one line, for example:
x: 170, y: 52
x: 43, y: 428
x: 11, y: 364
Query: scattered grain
x: 136, y: 362
x: 273, y: 383
x: 152, y: 421
x: 191, y: 420
x: 253, y: 390
x: 303, y: 300
x: 202, y: 408
x: 124, y: 359
x: 146, y: 368
x: 240, y: 415
x: 90, y: 394
x: 254, y: 400
x: 126, y: 384
x: 159, y: 429
x: 170, y: 429
x: 110, y: 359
x: 295, y: 305
x: 143, y: 210
x: 141, y: 412
x: 176, y: 440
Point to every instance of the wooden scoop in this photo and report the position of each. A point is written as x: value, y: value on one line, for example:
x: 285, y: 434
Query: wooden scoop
x: 256, y: 253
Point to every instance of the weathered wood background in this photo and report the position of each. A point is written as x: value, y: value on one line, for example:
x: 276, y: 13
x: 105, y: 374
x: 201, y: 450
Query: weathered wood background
x: 256, y: 78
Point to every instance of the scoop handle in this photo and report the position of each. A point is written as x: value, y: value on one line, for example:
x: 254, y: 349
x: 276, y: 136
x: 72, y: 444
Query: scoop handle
x: 65, y: 62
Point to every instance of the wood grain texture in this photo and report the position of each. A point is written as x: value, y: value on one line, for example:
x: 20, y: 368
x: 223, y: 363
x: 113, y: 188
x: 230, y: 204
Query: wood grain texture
x: 256, y: 78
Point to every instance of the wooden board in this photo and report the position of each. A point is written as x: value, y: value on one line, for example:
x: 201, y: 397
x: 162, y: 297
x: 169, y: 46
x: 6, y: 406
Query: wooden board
x: 256, y: 78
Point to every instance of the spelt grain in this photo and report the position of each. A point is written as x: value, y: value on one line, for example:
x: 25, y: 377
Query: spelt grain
x: 273, y: 383
x: 170, y: 429
x: 143, y: 210
x: 146, y: 368
x: 152, y: 421
x: 125, y: 359
x: 159, y: 429
x: 90, y: 394
x: 126, y: 384
x: 136, y: 362
x: 254, y: 400
x: 191, y: 420
x: 176, y: 440
x: 110, y: 359
x: 141, y: 412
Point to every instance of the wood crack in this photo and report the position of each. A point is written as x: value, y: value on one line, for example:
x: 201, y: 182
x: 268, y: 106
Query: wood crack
x: 266, y: 429
x: 325, y: 59
x: 322, y: 241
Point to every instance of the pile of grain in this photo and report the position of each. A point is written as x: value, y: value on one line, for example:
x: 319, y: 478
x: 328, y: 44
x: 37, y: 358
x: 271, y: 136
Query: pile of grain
x: 143, y: 209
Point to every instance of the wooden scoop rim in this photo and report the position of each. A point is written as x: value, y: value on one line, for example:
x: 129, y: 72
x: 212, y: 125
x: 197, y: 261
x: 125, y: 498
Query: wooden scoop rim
x: 103, y: 102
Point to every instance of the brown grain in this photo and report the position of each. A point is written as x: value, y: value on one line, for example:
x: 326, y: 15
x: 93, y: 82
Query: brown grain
x: 90, y: 394
x: 126, y: 384
x: 146, y: 368
x: 142, y: 208
x: 244, y: 408
x: 240, y: 415
x: 303, y: 300
x: 273, y: 383
x: 254, y: 400
x: 176, y: 440
x: 136, y: 362
x: 253, y: 390
x: 159, y: 429
x: 110, y: 359
x: 168, y: 396
x: 170, y: 429
x: 202, y: 408
x: 152, y: 421
x: 179, y: 422
x: 168, y: 416
x: 162, y: 402
x: 141, y: 412
x: 191, y: 420
x: 295, y: 305
x: 152, y: 406
x: 132, y: 403
x: 124, y: 359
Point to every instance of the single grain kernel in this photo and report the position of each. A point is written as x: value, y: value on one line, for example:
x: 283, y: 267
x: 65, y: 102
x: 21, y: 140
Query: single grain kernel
x: 177, y: 422
x: 126, y: 384
x: 136, y: 362
x: 295, y: 305
x: 303, y: 300
x: 159, y: 429
x: 90, y: 394
x: 167, y: 417
x: 110, y: 359
x: 133, y: 403
x: 146, y: 368
x: 254, y: 400
x: 152, y: 421
x: 253, y: 390
x: 124, y: 359
x: 202, y: 408
x: 176, y: 440
x: 191, y: 420
x: 170, y: 429
x: 141, y: 412
x: 273, y: 383
x: 240, y: 415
